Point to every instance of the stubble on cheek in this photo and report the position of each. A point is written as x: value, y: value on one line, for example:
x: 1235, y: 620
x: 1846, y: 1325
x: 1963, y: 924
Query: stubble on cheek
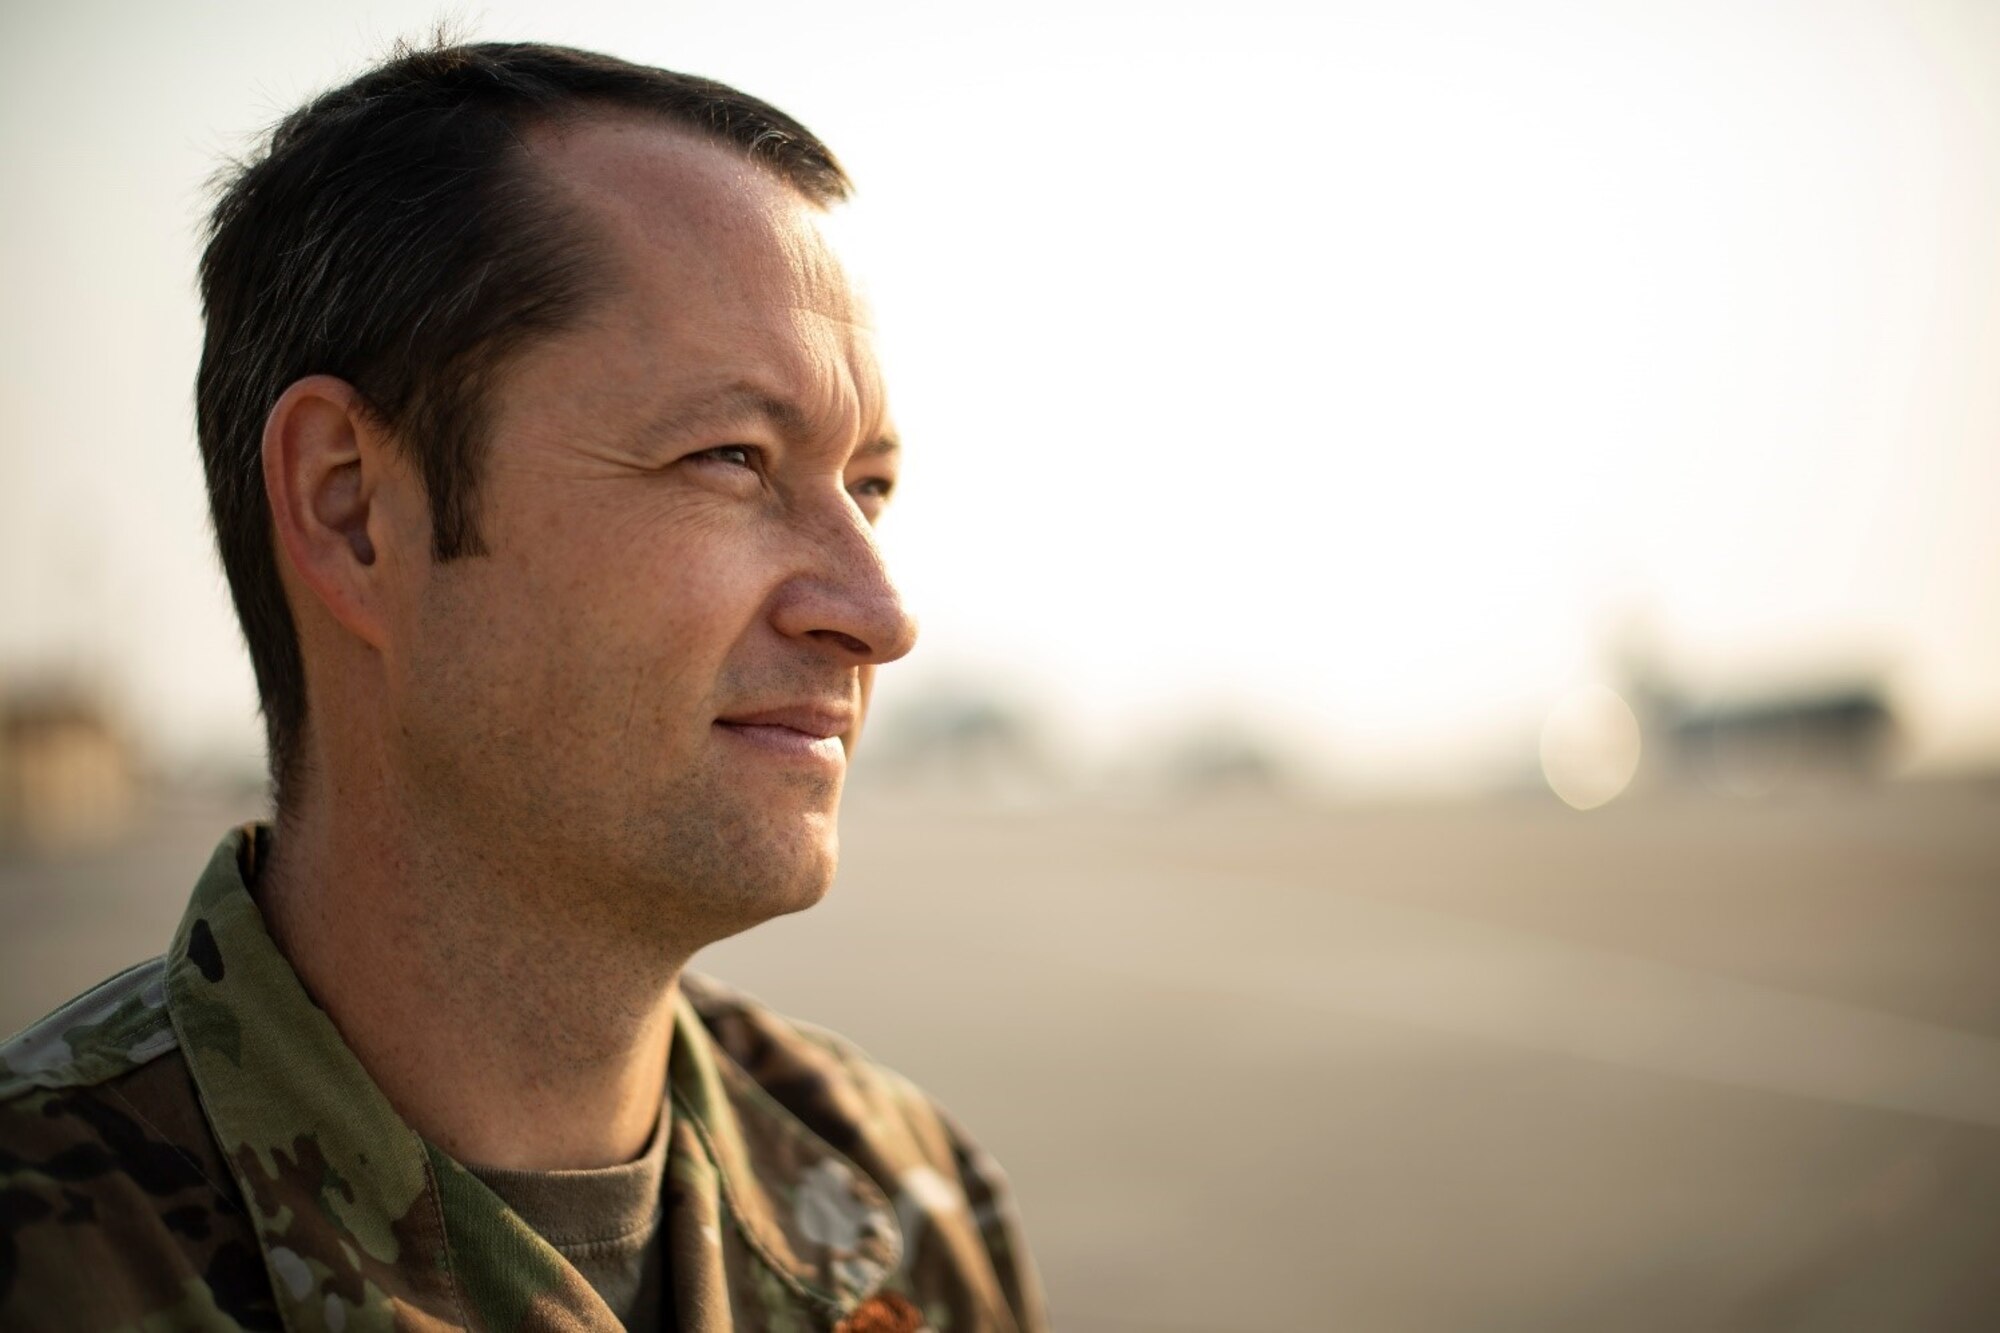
x: 573, y: 719
x: 686, y: 839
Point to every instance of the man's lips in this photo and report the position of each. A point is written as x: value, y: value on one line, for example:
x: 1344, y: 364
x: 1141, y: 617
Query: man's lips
x: 805, y: 731
x: 815, y: 720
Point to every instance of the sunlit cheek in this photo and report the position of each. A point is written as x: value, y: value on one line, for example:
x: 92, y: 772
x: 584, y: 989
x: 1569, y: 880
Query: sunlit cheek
x: 699, y: 612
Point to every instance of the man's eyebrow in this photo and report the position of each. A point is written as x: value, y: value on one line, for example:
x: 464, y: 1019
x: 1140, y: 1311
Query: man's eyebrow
x: 740, y: 401
x: 734, y: 404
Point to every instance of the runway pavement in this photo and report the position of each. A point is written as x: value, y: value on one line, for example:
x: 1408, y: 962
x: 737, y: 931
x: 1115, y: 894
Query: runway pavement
x: 1681, y: 1063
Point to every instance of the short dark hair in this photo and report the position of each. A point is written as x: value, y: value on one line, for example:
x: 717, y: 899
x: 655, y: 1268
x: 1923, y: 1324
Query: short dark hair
x: 392, y: 233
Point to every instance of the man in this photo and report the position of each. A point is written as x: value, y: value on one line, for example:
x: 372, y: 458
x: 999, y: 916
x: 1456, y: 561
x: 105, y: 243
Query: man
x: 545, y: 440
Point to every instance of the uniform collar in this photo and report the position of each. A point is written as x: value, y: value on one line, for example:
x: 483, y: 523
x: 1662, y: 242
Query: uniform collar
x: 338, y: 1187
x: 357, y: 1216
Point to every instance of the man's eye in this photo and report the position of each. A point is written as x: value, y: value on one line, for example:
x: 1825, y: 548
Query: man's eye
x: 736, y: 455
x: 873, y: 488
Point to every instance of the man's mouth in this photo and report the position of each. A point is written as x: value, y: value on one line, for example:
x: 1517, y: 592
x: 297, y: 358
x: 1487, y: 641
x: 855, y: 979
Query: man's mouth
x: 806, y: 732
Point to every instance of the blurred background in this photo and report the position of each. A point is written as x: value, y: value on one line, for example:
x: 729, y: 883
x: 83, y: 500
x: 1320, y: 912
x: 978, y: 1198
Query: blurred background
x: 1453, y: 775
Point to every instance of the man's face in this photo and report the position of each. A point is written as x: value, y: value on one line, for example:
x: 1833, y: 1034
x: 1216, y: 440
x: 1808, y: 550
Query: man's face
x: 649, y: 687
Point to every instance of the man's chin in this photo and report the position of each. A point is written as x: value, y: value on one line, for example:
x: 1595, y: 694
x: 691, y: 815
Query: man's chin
x: 719, y: 858
x: 779, y: 875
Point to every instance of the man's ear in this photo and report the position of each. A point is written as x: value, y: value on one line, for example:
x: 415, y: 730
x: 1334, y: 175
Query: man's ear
x: 326, y: 462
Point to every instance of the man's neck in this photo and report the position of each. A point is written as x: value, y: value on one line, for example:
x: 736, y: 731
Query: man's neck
x: 503, y: 1019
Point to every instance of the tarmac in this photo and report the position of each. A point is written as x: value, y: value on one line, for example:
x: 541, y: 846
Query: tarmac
x: 1681, y: 1063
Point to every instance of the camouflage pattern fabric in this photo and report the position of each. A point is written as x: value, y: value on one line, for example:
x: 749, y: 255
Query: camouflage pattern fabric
x: 192, y: 1146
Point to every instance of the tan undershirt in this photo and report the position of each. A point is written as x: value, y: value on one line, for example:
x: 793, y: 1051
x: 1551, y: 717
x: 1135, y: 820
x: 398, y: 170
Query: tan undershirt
x: 603, y: 1221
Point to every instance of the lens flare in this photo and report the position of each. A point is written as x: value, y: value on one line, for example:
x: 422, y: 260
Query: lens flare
x: 1590, y: 747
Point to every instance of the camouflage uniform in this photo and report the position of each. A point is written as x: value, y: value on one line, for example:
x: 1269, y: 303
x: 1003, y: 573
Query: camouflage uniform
x: 191, y: 1145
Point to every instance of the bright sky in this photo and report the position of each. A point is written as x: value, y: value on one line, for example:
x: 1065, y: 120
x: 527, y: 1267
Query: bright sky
x: 1353, y: 369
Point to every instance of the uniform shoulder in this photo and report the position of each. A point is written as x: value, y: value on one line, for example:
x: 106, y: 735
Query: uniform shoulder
x: 789, y: 1058
x: 118, y: 1206
x: 111, y: 1029
x: 952, y: 1199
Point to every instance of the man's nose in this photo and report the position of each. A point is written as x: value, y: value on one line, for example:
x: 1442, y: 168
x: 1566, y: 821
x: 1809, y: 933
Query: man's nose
x: 844, y: 599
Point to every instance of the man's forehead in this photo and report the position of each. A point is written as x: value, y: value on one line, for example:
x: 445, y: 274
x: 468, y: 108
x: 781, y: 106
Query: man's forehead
x: 720, y: 274
x: 664, y: 192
